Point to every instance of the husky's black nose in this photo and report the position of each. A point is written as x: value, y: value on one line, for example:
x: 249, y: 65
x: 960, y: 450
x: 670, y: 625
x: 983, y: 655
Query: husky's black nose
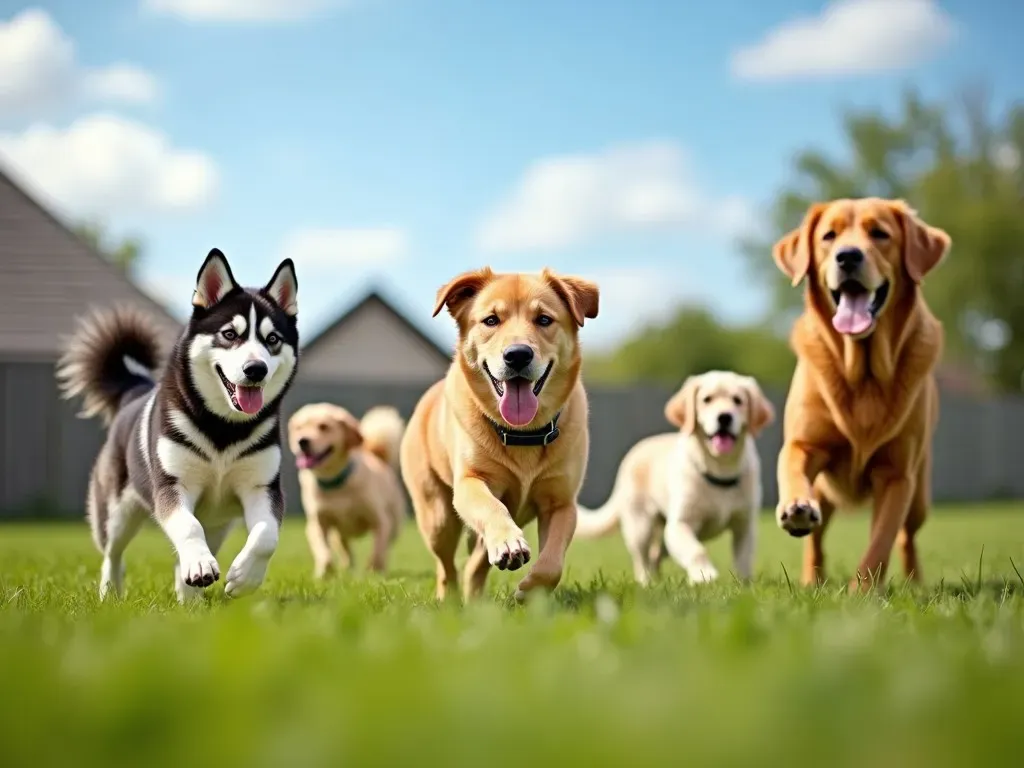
x: 517, y: 356
x: 255, y: 370
x: 304, y: 444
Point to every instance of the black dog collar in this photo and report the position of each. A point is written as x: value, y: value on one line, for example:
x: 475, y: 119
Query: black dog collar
x: 721, y: 482
x: 546, y: 435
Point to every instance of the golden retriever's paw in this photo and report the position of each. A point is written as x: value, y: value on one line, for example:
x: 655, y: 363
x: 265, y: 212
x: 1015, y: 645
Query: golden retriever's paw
x: 798, y: 517
x: 509, y: 550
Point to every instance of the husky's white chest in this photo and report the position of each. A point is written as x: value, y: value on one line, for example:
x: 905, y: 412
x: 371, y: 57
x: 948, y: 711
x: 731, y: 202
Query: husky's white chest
x: 219, y: 481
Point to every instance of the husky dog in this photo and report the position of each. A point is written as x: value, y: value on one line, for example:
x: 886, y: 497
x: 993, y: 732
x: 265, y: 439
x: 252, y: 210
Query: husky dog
x: 200, y: 446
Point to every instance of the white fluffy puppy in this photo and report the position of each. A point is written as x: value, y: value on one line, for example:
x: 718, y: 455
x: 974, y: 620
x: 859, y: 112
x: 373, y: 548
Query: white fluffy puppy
x: 674, y: 491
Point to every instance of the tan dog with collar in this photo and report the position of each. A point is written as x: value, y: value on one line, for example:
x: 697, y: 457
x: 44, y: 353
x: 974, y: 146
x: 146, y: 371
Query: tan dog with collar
x: 677, y: 490
x: 503, y: 439
x: 348, y: 475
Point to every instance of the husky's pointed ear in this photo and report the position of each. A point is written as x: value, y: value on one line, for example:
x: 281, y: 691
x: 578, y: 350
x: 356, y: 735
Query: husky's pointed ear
x: 214, y: 282
x: 283, y: 288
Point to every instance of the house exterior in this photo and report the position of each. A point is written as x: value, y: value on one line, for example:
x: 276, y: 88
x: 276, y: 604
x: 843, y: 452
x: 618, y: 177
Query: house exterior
x: 373, y: 342
x: 48, y: 277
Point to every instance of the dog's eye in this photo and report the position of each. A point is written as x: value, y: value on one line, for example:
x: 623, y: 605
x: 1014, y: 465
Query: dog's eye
x: 544, y: 321
x: 491, y: 320
x: 273, y: 338
x: 323, y: 427
x: 736, y: 400
x: 878, y: 234
x: 829, y: 236
x: 706, y: 399
x: 228, y: 334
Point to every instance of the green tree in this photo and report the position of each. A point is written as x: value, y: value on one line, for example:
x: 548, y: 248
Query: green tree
x: 693, y: 341
x: 959, y: 164
x: 125, y: 254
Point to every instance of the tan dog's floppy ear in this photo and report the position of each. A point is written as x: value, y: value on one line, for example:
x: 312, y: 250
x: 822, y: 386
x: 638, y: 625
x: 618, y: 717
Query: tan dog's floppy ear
x: 681, y: 409
x: 456, y: 293
x: 760, y: 411
x: 792, y: 253
x: 581, y: 296
x: 349, y: 425
x: 923, y: 245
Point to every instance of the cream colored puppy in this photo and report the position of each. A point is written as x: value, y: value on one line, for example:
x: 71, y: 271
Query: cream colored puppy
x: 348, y: 475
x: 674, y: 491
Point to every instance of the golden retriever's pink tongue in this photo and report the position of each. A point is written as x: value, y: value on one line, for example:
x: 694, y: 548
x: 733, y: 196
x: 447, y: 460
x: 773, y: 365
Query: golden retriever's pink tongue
x: 722, y: 443
x: 853, y: 315
x: 250, y: 399
x: 518, y: 405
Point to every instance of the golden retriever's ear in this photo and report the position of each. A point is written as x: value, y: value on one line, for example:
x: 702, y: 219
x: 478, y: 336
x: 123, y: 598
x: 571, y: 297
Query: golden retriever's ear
x: 760, y: 411
x: 793, y: 252
x: 681, y: 409
x: 923, y: 245
x: 580, y: 296
x: 349, y: 426
x: 461, y: 289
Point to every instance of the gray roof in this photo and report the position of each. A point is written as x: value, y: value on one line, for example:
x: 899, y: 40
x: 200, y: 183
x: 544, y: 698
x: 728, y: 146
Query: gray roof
x: 48, y: 277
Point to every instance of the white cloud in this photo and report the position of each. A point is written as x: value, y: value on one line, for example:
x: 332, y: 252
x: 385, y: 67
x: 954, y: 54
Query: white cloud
x: 562, y: 201
x: 363, y: 248
x: 849, y: 37
x: 39, y: 71
x: 241, y: 11
x: 102, y: 165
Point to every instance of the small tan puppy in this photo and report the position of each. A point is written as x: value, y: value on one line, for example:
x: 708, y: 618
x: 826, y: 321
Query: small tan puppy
x: 348, y: 473
x: 682, y: 489
x: 503, y: 438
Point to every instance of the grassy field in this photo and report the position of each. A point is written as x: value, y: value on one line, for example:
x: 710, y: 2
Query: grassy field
x: 369, y: 671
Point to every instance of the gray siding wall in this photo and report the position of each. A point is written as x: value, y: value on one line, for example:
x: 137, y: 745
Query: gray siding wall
x: 46, y: 452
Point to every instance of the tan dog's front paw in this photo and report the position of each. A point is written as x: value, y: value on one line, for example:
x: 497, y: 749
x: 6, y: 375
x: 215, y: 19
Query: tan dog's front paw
x: 798, y: 517
x: 508, y: 550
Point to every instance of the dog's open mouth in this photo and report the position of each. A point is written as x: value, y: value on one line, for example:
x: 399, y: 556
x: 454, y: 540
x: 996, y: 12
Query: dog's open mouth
x: 517, y: 397
x: 857, y: 308
x: 722, y: 442
x: 310, y: 460
x: 245, y: 399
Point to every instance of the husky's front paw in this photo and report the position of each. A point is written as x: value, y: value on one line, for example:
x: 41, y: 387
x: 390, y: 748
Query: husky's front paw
x: 198, y: 567
x: 246, y: 574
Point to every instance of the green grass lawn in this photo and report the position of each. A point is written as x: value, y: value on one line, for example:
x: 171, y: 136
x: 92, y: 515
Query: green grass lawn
x: 369, y: 671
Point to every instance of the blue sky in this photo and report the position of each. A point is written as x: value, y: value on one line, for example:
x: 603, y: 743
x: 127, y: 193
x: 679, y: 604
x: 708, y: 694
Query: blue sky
x: 398, y: 142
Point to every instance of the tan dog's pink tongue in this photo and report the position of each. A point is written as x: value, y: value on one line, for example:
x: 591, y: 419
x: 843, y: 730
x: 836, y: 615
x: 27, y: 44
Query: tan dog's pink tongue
x: 518, y: 405
x: 250, y: 399
x: 853, y: 315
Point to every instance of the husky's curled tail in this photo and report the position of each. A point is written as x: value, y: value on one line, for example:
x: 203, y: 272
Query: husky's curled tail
x: 382, y: 428
x: 110, y: 360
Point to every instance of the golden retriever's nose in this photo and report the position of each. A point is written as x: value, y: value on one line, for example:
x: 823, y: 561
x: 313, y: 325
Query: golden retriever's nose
x: 517, y: 356
x: 304, y: 445
x: 850, y: 259
x: 725, y: 421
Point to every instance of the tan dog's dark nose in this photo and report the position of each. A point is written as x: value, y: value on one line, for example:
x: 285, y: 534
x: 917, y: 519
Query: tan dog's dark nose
x: 850, y: 259
x: 304, y: 444
x: 518, y: 356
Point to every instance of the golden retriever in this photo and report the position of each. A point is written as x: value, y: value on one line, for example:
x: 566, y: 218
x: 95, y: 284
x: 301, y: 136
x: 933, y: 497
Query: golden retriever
x: 677, y: 490
x: 863, y: 405
x: 348, y: 475
x: 503, y: 438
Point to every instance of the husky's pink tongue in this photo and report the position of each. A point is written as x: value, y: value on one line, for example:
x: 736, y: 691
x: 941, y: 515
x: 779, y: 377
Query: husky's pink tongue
x: 518, y: 405
x: 853, y: 316
x: 722, y: 443
x: 250, y: 399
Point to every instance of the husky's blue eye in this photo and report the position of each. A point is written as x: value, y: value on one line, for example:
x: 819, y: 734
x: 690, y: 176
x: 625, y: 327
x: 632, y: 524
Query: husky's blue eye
x: 273, y: 338
x: 229, y: 335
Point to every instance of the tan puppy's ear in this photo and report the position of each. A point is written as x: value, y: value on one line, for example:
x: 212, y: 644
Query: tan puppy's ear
x: 760, y: 411
x: 923, y: 245
x: 681, y: 409
x: 580, y: 296
x: 793, y: 252
x: 349, y: 427
x: 457, y: 293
